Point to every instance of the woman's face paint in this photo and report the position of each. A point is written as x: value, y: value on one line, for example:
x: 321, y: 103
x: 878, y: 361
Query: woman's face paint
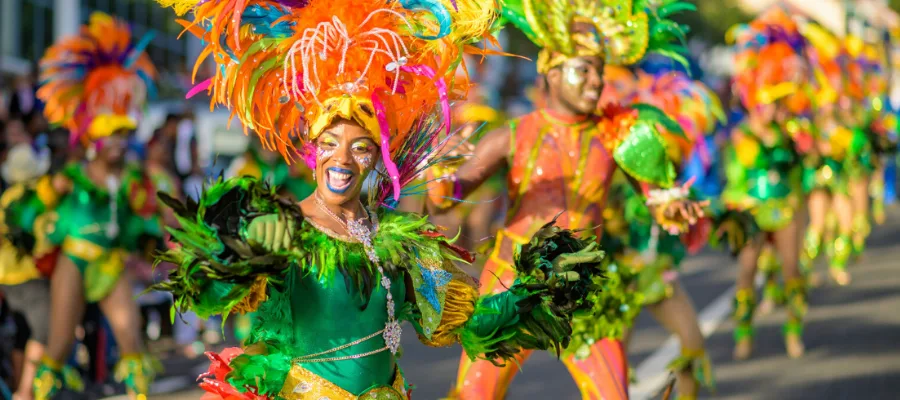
x: 345, y: 154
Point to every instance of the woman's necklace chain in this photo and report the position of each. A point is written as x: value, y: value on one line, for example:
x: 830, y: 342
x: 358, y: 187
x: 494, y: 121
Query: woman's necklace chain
x: 112, y: 187
x: 360, y: 232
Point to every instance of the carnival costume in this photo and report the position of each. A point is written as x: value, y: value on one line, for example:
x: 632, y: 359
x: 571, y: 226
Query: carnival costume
x: 650, y: 251
x: 23, y: 279
x: 565, y: 165
x: 24, y: 170
x: 328, y: 306
x: 839, y: 146
x: 764, y: 176
x: 868, y: 86
x: 93, y: 84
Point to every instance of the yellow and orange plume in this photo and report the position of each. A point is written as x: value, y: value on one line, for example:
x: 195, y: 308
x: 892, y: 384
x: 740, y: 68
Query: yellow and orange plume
x: 100, y: 73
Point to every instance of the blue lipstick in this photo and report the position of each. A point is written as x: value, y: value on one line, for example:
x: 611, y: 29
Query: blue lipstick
x: 340, y: 171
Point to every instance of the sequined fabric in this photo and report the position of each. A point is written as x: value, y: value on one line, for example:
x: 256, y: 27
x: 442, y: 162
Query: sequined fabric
x: 301, y: 384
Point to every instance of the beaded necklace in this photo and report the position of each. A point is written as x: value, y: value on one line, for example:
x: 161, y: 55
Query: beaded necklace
x: 360, y: 232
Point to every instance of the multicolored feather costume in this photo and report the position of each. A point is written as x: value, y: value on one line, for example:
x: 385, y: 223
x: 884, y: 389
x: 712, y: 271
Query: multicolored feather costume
x: 288, y: 68
x: 95, y: 83
x: 769, y: 59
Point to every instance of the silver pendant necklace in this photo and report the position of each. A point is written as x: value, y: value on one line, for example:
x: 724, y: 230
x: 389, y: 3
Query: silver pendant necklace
x: 360, y: 232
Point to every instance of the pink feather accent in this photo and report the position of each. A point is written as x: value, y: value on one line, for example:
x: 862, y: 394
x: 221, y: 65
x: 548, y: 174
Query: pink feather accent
x: 389, y: 164
x: 308, y: 154
x: 199, y: 88
x: 428, y: 72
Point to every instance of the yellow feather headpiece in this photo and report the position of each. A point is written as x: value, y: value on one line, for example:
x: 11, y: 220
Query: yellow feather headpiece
x: 618, y: 30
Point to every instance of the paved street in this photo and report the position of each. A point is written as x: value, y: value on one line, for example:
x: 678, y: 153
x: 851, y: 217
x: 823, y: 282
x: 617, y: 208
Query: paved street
x: 852, y: 338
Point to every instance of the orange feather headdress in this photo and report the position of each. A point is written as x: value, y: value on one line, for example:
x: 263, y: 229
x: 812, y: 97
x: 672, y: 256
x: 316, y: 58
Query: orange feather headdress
x: 288, y: 68
x: 769, y: 59
x: 93, y: 83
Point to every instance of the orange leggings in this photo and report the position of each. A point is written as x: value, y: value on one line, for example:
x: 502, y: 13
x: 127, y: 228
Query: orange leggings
x: 601, y: 376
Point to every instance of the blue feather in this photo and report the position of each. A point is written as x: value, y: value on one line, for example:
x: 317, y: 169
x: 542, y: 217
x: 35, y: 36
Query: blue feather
x: 263, y: 21
x: 435, y: 7
x: 139, y: 48
x: 151, y: 87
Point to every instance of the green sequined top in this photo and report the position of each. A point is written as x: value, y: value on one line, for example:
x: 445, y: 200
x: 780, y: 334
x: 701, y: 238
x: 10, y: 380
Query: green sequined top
x: 764, y: 178
x: 763, y: 171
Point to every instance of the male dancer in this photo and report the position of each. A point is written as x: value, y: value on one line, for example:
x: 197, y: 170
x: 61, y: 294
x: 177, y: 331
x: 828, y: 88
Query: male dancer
x: 561, y: 160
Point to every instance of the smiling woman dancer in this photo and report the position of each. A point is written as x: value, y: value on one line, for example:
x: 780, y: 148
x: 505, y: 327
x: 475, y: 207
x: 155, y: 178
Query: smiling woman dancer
x: 364, y: 85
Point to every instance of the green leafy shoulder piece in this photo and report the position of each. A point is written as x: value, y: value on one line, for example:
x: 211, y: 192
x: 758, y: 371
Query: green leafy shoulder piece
x: 637, y: 144
x: 224, y: 267
x: 22, y: 205
x: 217, y: 271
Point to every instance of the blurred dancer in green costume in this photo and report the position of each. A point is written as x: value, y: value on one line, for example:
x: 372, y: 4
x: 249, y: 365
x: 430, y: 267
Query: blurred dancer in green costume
x: 763, y: 167
x: 97, y: 212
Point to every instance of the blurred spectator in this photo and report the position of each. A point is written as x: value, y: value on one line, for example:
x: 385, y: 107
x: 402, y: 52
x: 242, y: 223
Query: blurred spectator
x: 4, y: 110
x: 2, y: 139
x: 23, y: 102
x: 15, y: 133
x: 187, y: 160
x: 57, y: 140
x: 35, y: 124
x: 158, y: 166
x: 166, y: 137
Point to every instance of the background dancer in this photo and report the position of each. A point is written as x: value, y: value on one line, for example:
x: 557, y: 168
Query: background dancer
x: 105, y: 210
x: 763, y: 168
x: 561, y: 159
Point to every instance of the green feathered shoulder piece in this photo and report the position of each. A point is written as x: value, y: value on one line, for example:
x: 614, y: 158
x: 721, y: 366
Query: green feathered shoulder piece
x: 637, y: 144
x: 560, y: 276
x: 241, y: 237
x: 216, y: 268
x: 21, y: 207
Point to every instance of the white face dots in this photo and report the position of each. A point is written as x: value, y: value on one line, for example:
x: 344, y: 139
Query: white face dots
x: 326, y: 148
x: 363, y: 152
x: 364, y: 161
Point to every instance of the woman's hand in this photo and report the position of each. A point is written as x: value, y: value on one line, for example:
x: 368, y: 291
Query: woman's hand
x: 272, y: 232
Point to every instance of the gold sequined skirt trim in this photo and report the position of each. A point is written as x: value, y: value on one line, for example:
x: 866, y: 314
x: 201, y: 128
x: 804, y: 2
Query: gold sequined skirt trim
x: 302, y: 384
